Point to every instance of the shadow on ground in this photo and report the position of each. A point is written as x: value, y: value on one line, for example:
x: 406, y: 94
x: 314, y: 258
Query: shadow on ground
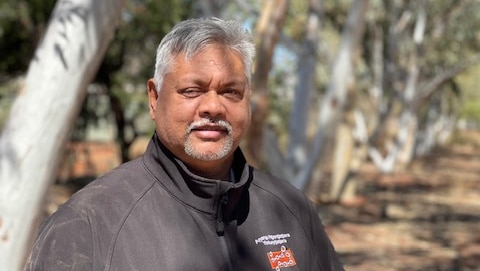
x: 427, y: 218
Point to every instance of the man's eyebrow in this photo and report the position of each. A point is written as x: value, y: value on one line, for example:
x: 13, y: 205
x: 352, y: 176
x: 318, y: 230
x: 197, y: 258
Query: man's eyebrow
x: 197, y: 80
x: 235, y: 82
x: 200, y: 80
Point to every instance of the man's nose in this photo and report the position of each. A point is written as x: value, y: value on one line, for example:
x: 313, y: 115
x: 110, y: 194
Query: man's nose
x: 211, y: 105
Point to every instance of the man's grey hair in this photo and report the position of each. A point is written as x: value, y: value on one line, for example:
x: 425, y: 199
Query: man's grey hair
x: 191, y: 36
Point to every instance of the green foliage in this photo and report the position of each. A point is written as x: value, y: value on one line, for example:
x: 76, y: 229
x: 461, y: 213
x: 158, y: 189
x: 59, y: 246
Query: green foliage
x: 471, y: 111
x: 129, y: 63
x: 452, y: 33
x: 470, y: 96
x: 295, y: 20
x: 131, y: 55
x: 22, y: 24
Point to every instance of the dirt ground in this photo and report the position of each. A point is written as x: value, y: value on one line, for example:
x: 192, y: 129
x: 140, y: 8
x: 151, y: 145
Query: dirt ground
x: 426, y: 218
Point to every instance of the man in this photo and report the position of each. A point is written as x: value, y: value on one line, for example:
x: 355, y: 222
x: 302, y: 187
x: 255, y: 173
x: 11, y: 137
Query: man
x: 191, y: 202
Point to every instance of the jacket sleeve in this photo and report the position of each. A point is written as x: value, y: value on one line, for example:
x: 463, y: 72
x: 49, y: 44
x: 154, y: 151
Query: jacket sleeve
x: 64, y: 243
x: 324, y: 250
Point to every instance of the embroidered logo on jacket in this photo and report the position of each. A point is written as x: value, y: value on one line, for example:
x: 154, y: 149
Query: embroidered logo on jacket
x: 273, y: 239
x: 281, y: 259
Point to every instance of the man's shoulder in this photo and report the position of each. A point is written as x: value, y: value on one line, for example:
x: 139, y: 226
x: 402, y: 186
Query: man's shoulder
x: 278, y: 188
x: 114, y: 192
x: 87, y: 225
x: 128, y: 176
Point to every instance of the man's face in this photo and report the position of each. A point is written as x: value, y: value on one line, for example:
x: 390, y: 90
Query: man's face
x: 202, y: 110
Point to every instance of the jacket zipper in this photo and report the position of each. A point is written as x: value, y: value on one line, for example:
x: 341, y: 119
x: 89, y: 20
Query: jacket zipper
x: 221, y: 230
x: 221, y: 207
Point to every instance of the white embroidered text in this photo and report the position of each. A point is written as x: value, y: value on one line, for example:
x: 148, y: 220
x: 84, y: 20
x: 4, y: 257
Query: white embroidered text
x: 273, y: 239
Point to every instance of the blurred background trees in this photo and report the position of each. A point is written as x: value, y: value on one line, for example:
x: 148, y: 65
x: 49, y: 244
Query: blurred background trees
x: 117, y: 92
x: 404, y: 75
x: 34, y: 135
x: 337, y: 84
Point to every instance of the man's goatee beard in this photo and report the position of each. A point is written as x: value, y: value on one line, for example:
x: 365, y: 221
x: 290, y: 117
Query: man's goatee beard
x: 208, y: 156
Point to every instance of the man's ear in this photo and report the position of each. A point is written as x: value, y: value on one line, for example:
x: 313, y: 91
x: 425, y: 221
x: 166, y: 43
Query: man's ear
x: 152, y: 97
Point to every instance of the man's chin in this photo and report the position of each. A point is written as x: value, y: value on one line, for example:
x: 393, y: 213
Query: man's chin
x: 207, y: 154
x: 208, y: 151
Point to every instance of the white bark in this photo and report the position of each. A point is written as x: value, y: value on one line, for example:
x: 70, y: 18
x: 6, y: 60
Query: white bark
x: 334, y: 101
x: 33, y: 137
x: 342, y: 157
x: 409, y: 117
x: 402, y: 150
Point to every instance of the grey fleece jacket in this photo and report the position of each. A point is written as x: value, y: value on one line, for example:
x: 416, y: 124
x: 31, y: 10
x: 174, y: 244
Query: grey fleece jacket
x: 154, y: 214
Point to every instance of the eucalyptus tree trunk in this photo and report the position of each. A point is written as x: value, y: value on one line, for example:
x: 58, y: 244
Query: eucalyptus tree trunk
x: 44, y: 111
x: 385, y: 128
x: 297, y: 149
x: 409, y: 117
x: 401, y: 151
x: 342, y: 78
x: 267, y: 32
x: 342, y: 155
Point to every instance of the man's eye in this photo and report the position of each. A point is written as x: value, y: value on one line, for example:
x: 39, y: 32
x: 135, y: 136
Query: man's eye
x: 191, y: 92
x: 233, y: 94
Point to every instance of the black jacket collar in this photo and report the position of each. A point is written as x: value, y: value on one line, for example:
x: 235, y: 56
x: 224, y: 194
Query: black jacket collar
x: 199, y: 193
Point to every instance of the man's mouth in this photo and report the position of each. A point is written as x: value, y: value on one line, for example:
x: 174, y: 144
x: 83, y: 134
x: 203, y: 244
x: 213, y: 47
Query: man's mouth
x: 208, y: 130
x: 209, y: 133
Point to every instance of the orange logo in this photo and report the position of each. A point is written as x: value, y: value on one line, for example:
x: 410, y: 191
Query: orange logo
x: 281, y: 259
